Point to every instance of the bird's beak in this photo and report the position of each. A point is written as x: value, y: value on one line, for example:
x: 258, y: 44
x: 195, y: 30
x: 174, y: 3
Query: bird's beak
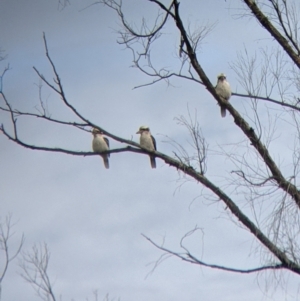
x: 138, y: 132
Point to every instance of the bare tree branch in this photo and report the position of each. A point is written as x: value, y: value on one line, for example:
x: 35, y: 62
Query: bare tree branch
x: 5, y: 236
x: 188, y: 257
x: 273, y: 31
x: 35, y: 271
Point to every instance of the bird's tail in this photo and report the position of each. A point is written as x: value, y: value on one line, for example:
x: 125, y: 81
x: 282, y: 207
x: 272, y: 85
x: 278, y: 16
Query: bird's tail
x: 223, y: 112
x: 153, y: 162
x: 106, y: 162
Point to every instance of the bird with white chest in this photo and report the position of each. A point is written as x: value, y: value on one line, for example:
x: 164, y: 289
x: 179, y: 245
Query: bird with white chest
x: 223, y: 90
x: 100, y: 144
x: 147, y: 141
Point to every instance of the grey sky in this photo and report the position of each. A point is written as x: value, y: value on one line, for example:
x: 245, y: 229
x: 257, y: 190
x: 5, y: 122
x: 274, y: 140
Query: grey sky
x: 92, y: 218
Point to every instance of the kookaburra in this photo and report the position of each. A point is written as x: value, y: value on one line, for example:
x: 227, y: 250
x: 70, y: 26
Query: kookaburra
x: 223, y: 90
x: 101, y: 144
x: 147, y: 141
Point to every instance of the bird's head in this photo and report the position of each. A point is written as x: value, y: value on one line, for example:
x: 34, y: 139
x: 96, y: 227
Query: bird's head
x: 142, y: 129
x: 221, y: 77
x: 96, y: 131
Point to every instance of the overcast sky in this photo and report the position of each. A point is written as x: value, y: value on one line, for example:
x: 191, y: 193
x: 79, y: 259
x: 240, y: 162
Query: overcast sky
x: 92, y: 218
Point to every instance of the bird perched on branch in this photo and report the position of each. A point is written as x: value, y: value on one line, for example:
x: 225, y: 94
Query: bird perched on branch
x: 147, y: 141
x: 101, y: 144
x: 223, y: 90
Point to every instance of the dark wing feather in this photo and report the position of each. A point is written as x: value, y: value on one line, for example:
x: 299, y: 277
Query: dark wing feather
x: 107, y: 143
x: 153, y: 141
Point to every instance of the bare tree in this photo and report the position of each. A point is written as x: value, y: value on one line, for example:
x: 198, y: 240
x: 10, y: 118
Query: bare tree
x: 258, y: 177
x: 35, y: 271
x: 263, y: 178
x: 34, y: 266
x: 6, y: 233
